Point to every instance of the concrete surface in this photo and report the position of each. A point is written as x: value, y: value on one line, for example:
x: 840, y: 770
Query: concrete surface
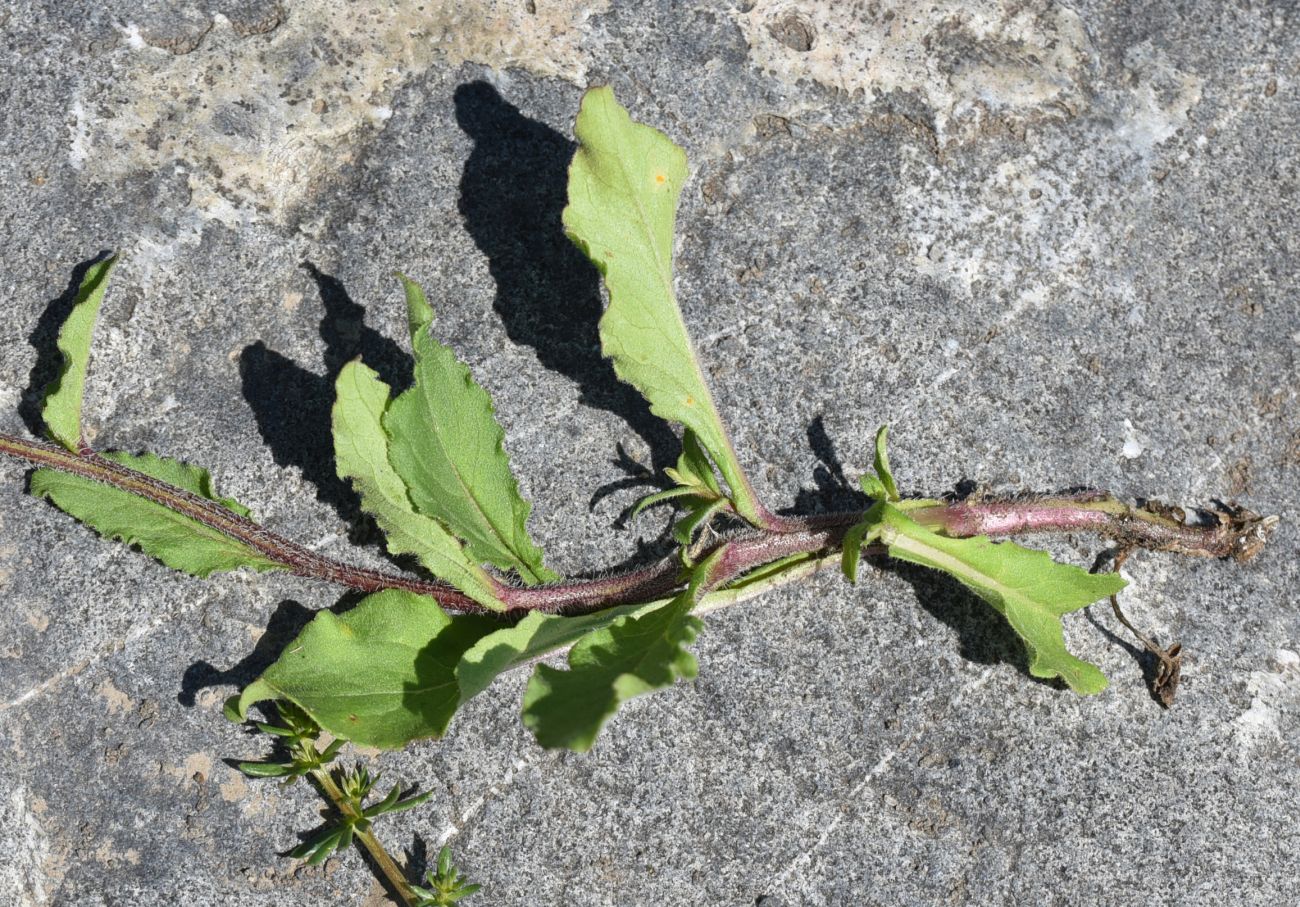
x: 1050, y: 245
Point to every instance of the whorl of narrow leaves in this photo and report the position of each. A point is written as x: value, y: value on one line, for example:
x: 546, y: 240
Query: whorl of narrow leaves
x: 624, y: 183
x: 697, y: 492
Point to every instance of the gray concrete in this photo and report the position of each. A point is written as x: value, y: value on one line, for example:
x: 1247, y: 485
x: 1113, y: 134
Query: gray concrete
x: 1051, y: 246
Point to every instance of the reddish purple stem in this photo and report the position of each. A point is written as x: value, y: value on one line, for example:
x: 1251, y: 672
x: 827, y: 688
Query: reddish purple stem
x: 1230, y: 532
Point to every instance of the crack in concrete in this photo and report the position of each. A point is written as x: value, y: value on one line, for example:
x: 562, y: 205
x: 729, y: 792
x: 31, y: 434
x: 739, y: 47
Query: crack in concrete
x: 802, y: 863
x: 492, y: 793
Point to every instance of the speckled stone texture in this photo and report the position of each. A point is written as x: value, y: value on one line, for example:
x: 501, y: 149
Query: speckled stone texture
x: 1050, y: 245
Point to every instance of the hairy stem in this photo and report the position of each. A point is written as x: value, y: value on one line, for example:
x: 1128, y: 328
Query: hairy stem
x: 289, y: 554
x: 1224, y: 531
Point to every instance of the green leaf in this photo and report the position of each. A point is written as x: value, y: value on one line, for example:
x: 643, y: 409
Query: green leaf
x: 533, y: 637
x: 694, y: 477
x: 265, y: 769
x: 624, y: 184
x: 318, y: 849
x: 771, y: 575
x: 382, y: 674
x: 403, y: 667
x: 632, y: 656
x: 396, y: 668
x: 445, y: 886
x: 61, y: 408
x: 694, y: 467
x: 882, y: 467
x: 445, y: 443
x: 659, y: 497
x: 861, y: 534
x: 1027, y: 587
x: 391, y: 805
x: 698, y: 515
x: 179, y: 541
x: 361, y: 452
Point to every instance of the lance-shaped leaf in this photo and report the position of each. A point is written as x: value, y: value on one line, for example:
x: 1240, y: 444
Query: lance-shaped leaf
x: 884, y: 488
x: 361, y: 452
x: 61, y: 408
x: 632, y: 656
x: 382, y: 674
x: 624, y: 183
x: 446, y: 445
x: 1027, y: 587
x: 179, y: 541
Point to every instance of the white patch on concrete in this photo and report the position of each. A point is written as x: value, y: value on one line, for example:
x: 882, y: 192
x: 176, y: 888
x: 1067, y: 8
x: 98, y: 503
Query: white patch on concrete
x: 1160, y: 101
x: 1033, y: 56
x: 79, y: 149
x: 152, y: 252
x: 1274, y: 693
x: 1134, y: 442
x: 23, y: 871
x: 1034, y: 229
x: 278, y: 113
x: 131, y: 33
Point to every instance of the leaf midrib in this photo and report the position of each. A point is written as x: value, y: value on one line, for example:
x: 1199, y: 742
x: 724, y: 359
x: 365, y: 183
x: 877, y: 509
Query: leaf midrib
x: 477, y: 507
x: 665, y: 275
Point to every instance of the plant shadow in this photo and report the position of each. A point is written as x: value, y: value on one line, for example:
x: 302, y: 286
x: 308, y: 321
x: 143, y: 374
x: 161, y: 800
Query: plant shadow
x: 831, y: 491
x: 44, y: 339
x: 292, y: 404
x: 984, y: 637
x: 512, y: 191
x: 287, y: 621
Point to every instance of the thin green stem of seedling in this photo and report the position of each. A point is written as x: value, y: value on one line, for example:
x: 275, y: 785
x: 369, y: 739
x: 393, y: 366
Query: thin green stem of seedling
x: 345, y: 792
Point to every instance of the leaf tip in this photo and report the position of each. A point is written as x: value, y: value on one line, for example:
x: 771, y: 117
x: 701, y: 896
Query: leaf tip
x: 234, y: 709
x: 419, y: 314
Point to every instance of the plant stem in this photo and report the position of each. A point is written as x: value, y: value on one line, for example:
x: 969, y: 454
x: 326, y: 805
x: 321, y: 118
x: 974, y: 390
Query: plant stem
x: 289, y: 554
x: 392, y: 873
x: 1224, y: 531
